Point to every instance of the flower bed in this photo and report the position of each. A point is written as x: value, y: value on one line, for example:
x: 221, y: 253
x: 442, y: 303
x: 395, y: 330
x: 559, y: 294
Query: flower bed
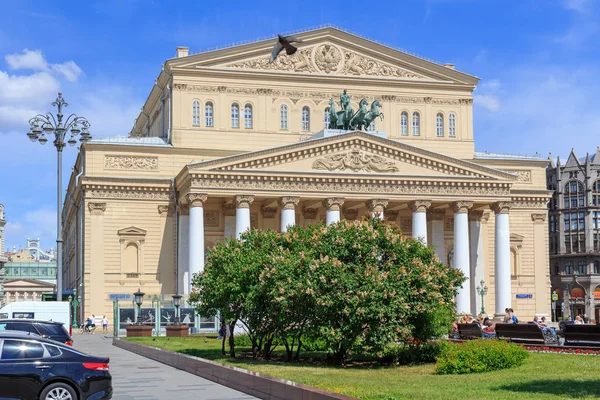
x: 563, y: 350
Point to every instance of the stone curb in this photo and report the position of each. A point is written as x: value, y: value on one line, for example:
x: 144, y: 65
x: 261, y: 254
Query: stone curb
x: 252, y: 383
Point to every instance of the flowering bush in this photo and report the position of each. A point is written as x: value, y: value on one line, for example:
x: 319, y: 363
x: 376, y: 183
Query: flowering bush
x: 354, y: 286
x: 563, y: 350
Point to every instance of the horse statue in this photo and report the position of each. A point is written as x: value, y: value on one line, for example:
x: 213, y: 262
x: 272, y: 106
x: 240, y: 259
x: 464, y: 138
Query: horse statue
x: 332, y: 115
x: 358, y: 121
x: 374, y: 113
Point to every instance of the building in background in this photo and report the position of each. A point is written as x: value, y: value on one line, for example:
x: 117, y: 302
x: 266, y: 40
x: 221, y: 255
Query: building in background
x: 574, y: 234
x: 3, y: 258
x: 228, y: 140
x: 29, y: 273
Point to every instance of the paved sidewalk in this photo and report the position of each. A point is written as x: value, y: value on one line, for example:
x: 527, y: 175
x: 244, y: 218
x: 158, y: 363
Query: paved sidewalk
x: 136, y: 377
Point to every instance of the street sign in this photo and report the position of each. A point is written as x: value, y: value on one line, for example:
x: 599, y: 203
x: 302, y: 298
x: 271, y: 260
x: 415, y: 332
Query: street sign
x: 525, y: 296
x: 119, y: 296
x: 554, y: 296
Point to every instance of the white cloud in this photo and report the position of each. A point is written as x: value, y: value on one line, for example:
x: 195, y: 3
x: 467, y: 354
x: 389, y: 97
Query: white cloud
x: 69, y: 70
x: 40, y: 223
x: 29, y: 59
x: 489, y: 102
x: 580, y: 6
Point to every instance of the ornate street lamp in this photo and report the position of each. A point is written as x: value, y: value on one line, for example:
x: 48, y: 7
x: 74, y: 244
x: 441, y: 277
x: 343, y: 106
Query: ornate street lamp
x: 177, y: 303
x: 138, y: 298
x: 482, y: 290
x: 39, y: 127
x: 74, y: 304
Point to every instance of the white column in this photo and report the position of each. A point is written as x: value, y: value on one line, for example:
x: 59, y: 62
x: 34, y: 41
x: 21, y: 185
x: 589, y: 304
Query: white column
x: 183, y: 245
x: 288, y: 212
x: 242, y: 214
x: 419, y: 219
x: 333, y: 205
x: 477, y: 258
x: 461, y: 253
x: 436, y: 218
x: 502, y: 257
x: 377, y: 206
x: 196, y: 235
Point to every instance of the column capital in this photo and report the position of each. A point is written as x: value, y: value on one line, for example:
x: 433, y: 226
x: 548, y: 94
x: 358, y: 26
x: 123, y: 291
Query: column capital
x: 436, y: 214
x: 501, y: 207
x: 420, y: 205
x: 461, y: 207
x: 289, y: 202
x: 243, y: 200
x: 196, y: 199
x: 377, y: 205
x: 538, y: 217
x: 333, y: 203
x: 310, y: 213
x: 97, y: 208
x: 476, y: 215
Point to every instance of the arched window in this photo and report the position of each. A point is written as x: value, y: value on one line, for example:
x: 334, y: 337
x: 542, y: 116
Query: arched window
x: 248, y: 116
x: 327, y: 118
x: 235, y: 115
x: 439, y: 125
x: 196, y: 113
x: 416, y: 124
x: 574, y: 194
x: 208, y: 114
x: 305, y: 119
x: 596, y: 193
x: 131, y: 258
x: 283, y: 117
x: 404, y: 123
x: 452, y: 125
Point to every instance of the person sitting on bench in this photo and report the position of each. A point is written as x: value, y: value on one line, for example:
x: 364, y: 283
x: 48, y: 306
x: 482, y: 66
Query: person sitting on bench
x: 544, y: 326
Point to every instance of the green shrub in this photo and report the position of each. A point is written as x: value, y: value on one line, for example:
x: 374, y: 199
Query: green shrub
x: 314, y: 344
x: 479, y: 356
x: 242, y: 340
x: 405, y: 354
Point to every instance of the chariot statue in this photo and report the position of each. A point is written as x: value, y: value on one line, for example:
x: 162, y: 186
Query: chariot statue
x: 347, y: 119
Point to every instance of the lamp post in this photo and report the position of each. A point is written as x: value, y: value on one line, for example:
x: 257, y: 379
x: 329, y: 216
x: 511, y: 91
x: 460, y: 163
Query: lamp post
x: 482, y: 290
x: 39, y: 126
x: 177, y: 303
x: 74, y: 304
x: 138, y: 298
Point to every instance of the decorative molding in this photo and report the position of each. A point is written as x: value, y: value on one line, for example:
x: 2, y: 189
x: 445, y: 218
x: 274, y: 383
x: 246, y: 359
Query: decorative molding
x: 268, y: 212
x: 530, y: 202
x: 211, y: 218
x: 289, y: 202
x: 486, y: 217
x: 164, y: 209
x: 131, y: 193
x: 460, y: 207
x: 447, y: 102
x: 476, y: 215
x: 355, y: 160
x: 243, y: 200
x: 538, y: 217
x: 131, y: 163
x: 229, y: 207
x: 310, y: 213
x: 196, y: 199
x: 420, y: 205
x: 449, y: 224
x: 333, y: 203
x: 97, y: 208
x: 522, y: 176
x: 501, y: 207
x: 329, y: 59
x: 377, y: 205
x: 350, y: 214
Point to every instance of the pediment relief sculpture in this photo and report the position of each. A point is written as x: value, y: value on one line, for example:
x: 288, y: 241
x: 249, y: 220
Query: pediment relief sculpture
x: 355, y: 161
x: 328, y: 58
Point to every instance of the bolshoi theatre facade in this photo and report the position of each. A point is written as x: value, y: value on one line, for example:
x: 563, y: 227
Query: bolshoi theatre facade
x: 228, y: 141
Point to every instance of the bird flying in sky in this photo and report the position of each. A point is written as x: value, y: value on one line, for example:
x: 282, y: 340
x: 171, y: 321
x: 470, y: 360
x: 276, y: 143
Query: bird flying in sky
x: 284, y: 43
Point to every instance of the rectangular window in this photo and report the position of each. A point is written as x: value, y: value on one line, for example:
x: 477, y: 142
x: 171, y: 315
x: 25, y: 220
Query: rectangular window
x: 569, y: 269
x: 567, y: 222
x: 581, y: 268
x: 596, y: 244
x: 568, y: 243
x: 597, y: 267
x: 582, y: 242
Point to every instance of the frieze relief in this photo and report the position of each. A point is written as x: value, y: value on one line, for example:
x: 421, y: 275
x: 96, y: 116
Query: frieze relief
x: 522, y: 176
x: 355, y: 160
x: 131, y: 163
x: 329, y: 59
x: 128, y: 194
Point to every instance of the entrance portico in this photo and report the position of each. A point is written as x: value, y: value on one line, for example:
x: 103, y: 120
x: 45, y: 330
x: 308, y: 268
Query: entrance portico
x: 275, y: 184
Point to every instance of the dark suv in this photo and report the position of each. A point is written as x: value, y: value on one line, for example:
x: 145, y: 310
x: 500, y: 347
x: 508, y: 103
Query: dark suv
x: 47, y: 329
x: 34, y: 368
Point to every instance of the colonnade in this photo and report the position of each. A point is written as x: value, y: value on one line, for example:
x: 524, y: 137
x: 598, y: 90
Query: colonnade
x: 465, y: 247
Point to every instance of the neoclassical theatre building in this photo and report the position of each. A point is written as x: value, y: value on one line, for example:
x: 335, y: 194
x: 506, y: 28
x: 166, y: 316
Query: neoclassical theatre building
x: 228, y: 141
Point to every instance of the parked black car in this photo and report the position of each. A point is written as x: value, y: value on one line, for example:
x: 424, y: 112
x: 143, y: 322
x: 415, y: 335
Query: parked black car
x: 47, y: 329
x: 32, y: 368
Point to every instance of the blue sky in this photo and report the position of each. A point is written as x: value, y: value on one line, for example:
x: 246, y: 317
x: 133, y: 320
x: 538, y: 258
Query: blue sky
x: 539, y: 61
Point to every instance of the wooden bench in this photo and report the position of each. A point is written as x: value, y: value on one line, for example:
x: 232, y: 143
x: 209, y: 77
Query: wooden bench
x: 470, y: 331
x: 581, y: 334
x: 524, y: 333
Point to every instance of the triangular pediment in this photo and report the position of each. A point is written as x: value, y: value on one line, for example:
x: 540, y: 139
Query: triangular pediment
x: 26, y: 283
x: 353, y: 153
x: 327, y: 51
x: 131, y: 231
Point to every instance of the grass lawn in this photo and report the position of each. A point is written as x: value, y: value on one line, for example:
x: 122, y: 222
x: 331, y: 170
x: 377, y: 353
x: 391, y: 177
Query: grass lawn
x: 543, y: 376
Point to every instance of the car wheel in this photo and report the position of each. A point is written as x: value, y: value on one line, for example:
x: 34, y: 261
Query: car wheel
x: 58, y: 391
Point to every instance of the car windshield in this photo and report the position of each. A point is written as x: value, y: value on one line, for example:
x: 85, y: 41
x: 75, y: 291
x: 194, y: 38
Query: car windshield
x: 52, y: 329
